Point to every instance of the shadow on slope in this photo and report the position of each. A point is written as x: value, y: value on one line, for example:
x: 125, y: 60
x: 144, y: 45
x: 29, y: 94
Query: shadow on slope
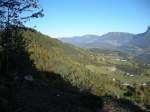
x: 52, y: 94
x: 14, y: 60
x: 25, y: 89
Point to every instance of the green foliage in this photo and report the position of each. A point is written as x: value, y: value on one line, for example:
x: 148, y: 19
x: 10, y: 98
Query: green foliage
x: 97, y: 73
x: 14, y: 56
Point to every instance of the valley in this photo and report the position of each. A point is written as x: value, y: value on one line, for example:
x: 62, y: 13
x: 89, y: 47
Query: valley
x: 100, y: 72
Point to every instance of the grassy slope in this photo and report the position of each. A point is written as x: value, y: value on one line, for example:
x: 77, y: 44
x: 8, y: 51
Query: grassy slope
x: 86, y: 70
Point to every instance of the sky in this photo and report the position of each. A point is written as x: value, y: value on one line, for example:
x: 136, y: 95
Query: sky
x: 67, y: 18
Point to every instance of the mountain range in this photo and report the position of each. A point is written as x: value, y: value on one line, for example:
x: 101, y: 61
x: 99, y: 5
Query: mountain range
x: 135, y: 44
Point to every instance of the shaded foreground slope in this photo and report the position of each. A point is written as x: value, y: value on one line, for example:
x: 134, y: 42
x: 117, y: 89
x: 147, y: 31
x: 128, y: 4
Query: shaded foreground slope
x: 53, y: 94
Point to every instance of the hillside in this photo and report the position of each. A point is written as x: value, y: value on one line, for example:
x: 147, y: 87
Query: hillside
x: 89, y: 70
x: 110, y: 40
x: 136, y: 44
x: 96, y: 72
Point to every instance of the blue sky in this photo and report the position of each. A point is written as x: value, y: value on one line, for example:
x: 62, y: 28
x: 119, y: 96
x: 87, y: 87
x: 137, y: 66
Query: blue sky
x: 65, y: 18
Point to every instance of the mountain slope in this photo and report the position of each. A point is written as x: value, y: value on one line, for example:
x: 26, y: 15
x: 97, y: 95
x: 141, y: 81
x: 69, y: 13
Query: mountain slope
x: 112, y: 39
x: 86, y: 70
x: 138, y: 45
x: 142, y: 40
x: 45, y: 48
x: 80, y: 41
